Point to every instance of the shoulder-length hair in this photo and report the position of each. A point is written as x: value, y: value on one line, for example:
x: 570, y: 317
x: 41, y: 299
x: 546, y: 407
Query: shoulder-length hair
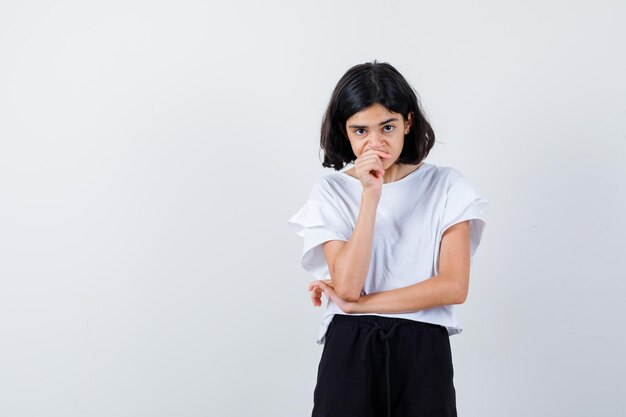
x: 362, y: 86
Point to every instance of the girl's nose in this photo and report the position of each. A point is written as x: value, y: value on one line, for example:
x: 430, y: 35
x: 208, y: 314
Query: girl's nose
x: 375, y: 142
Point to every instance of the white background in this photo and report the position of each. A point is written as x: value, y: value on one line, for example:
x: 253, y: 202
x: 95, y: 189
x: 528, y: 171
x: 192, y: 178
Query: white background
x: 151, y: 153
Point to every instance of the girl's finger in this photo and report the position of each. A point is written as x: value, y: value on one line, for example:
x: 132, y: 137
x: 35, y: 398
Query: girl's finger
x: 379, y: 152
x: 315, y: 289
x: 371, y: 164
x: 312, y: 284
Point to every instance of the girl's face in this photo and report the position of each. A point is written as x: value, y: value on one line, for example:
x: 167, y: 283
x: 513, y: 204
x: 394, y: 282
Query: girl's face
x: 378, y: 128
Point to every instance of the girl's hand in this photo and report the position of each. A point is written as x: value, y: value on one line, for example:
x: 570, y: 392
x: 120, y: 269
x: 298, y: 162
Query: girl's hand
x: 326, y: 286
x: 316, y: 291
x: 369, y: 168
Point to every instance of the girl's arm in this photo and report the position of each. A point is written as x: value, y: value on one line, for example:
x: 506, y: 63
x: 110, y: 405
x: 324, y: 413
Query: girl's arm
x: 450, y: 286
x: 349, y: 261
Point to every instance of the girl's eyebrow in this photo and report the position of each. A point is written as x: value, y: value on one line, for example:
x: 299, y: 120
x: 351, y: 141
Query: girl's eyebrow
x: 393, y: 119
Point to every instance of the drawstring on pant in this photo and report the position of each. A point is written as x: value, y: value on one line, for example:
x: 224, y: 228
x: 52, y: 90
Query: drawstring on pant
x: 385, y: 336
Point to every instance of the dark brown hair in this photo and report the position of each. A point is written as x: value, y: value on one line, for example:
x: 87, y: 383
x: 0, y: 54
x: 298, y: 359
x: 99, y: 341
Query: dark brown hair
x: 362, y: 86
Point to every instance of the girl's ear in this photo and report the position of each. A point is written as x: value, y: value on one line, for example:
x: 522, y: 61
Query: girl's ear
x: 408, y: 122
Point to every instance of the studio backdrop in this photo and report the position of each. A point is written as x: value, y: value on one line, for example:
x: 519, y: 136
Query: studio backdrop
x: 151, y: 153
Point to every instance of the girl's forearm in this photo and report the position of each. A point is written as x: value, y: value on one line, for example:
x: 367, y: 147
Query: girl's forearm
x: 432, y: 292
x: 352, y: 263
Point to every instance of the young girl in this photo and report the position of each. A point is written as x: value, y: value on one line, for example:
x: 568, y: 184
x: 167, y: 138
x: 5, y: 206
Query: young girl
x: 392, y: 240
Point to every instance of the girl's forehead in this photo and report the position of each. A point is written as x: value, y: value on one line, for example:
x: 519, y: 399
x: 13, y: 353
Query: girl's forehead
x: 375, y: 111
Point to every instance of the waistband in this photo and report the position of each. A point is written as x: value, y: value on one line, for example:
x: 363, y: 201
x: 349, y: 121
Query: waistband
x: 384, y: 322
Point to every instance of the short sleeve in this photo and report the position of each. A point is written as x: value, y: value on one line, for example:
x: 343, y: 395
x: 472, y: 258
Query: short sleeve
x: 318, y: 222
x: 463, y: 202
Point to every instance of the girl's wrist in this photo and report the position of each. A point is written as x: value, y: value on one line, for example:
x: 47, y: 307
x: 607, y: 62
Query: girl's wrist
x: 370, y: 198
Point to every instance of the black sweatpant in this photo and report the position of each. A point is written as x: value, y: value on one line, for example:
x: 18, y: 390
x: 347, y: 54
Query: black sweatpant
x: 374, y: 366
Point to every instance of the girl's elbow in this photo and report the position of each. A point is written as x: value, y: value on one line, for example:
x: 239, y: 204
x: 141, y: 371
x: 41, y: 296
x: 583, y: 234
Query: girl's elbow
x: 351, y: 296
x: 461, y: 298
x: 460, y: 294
x: 454, y: 290
x: 345, y: 291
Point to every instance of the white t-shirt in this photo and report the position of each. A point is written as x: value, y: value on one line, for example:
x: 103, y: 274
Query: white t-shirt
x: 412, y: 214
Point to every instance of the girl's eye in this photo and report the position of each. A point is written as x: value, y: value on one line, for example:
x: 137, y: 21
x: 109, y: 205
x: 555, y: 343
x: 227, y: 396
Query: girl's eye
x: 359, y: 132
x: 388, y: 128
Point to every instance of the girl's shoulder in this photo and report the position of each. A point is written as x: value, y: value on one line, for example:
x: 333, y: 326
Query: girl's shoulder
x: 338, y: 184
x: 446, y: 172
x: 447, y: 176
x: 327, y: 187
